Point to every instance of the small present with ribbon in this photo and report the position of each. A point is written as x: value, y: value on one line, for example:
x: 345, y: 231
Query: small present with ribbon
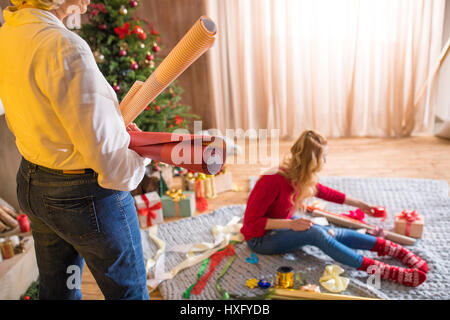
x: 207, y: 185
x: 178, y: 203
x: 188, y: 182
x: 409, y: 223
x: 149, y: 209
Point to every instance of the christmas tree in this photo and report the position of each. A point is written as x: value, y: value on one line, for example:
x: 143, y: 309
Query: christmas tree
x: 126, y: 49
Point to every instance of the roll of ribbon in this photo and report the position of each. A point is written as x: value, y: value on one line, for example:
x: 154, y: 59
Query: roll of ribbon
x: 24, y: 223
x: 7, y: 249
x: 285, y: 278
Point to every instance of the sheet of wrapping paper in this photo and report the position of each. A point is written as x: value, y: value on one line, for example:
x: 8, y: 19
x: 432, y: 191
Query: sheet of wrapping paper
x: 204, y: 154
x: 194, y: 44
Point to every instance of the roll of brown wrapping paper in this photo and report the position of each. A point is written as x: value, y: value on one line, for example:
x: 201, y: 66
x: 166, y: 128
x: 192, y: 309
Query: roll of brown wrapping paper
x: 9, y: 211
x: 355, y: 224
x: 288, y: 294
x: 3, y: 227
x: 195, y: 43
x: 198, y: 153
x: 7, y: 219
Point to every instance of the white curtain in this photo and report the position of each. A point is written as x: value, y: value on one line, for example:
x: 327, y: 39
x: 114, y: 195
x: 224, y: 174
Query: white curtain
x: 342, y: 67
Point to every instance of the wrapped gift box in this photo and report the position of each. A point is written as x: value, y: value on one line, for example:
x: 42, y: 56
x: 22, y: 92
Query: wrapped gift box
x: 409, y: 223
x: 178, y: 203
x: 149, y: 208
x: 188, y: 182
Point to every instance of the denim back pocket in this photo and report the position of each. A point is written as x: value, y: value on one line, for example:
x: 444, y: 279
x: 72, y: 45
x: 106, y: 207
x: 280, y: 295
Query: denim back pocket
x: 73, y: 217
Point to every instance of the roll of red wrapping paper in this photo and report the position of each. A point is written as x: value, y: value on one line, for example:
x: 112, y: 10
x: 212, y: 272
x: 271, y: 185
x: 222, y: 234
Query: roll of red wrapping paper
x: 205, y: 154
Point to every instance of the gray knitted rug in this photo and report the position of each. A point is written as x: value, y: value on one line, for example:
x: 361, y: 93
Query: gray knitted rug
x: 428, y: 197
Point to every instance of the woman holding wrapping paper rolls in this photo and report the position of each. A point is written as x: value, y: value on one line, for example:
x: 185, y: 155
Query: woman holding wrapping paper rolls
x: 76, y: 171
x: 269, y: 229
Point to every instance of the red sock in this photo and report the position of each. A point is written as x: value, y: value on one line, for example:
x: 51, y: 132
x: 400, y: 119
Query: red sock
x: 386, y: 247
x: 407, y: 277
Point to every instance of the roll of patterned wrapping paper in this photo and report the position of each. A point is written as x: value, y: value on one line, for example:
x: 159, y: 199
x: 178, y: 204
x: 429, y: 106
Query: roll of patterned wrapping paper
x: 195, y: 43
x: 204, y: 154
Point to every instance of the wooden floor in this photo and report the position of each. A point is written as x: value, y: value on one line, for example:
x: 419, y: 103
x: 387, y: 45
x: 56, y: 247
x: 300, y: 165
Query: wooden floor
x: 416, y: 157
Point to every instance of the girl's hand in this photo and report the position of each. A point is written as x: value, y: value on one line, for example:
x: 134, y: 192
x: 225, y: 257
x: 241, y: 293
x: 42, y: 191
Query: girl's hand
x: 366, y: 208
x: 301, y: 224
x: 133, y: 127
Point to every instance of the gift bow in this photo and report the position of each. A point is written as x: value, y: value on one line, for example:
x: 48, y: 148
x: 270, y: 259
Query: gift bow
x: 190, y: 176
x: 410, y: 217
x: 176, y: 194
x: 121, y: 31
x: 149, y: 211
x: 332, y: 281
x: 358, y: 214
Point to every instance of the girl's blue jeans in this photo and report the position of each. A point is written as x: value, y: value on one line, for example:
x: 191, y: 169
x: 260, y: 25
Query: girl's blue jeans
x: 340, y: 247
x: 74, y: 220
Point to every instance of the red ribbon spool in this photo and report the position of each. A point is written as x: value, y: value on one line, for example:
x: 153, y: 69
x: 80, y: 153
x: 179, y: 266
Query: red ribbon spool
x: 24, y: 223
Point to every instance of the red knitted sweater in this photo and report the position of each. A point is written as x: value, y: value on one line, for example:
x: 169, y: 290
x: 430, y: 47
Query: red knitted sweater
x: 270, y: 199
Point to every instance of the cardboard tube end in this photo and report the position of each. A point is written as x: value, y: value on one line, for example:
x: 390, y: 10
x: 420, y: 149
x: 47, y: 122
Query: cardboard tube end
x: 209, y: 24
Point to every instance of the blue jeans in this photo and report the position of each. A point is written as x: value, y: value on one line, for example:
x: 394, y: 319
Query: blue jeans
x: 338, y: 247
x: 74, y: 220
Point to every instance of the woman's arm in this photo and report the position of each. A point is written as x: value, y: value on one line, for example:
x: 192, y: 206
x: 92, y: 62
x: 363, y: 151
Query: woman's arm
x: 365, y: 207
x: 329, y: 194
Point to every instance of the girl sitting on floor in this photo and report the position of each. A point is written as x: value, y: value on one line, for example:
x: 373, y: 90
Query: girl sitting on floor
x: 269, y: 228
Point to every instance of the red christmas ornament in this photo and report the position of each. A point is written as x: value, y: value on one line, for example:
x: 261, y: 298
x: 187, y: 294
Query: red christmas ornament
x: 156, y: 48
x: 140, y: 32
x: 103, y: 27
x: 142, y: 36
x: 147, y: 108
x: 116, y: 88
x: 26, y: 298
x: 149, y: 57
x: 134, y: 66
x: 133, y: 3
x: 178, y: 120
x: 154, y: 32
x: 137, y: 29
x: 122, y: 53
x: 157, y: 109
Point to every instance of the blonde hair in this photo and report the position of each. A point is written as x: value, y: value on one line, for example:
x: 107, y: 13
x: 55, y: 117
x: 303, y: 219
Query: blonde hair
x: 303, y: 164
x: 41, y: 4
